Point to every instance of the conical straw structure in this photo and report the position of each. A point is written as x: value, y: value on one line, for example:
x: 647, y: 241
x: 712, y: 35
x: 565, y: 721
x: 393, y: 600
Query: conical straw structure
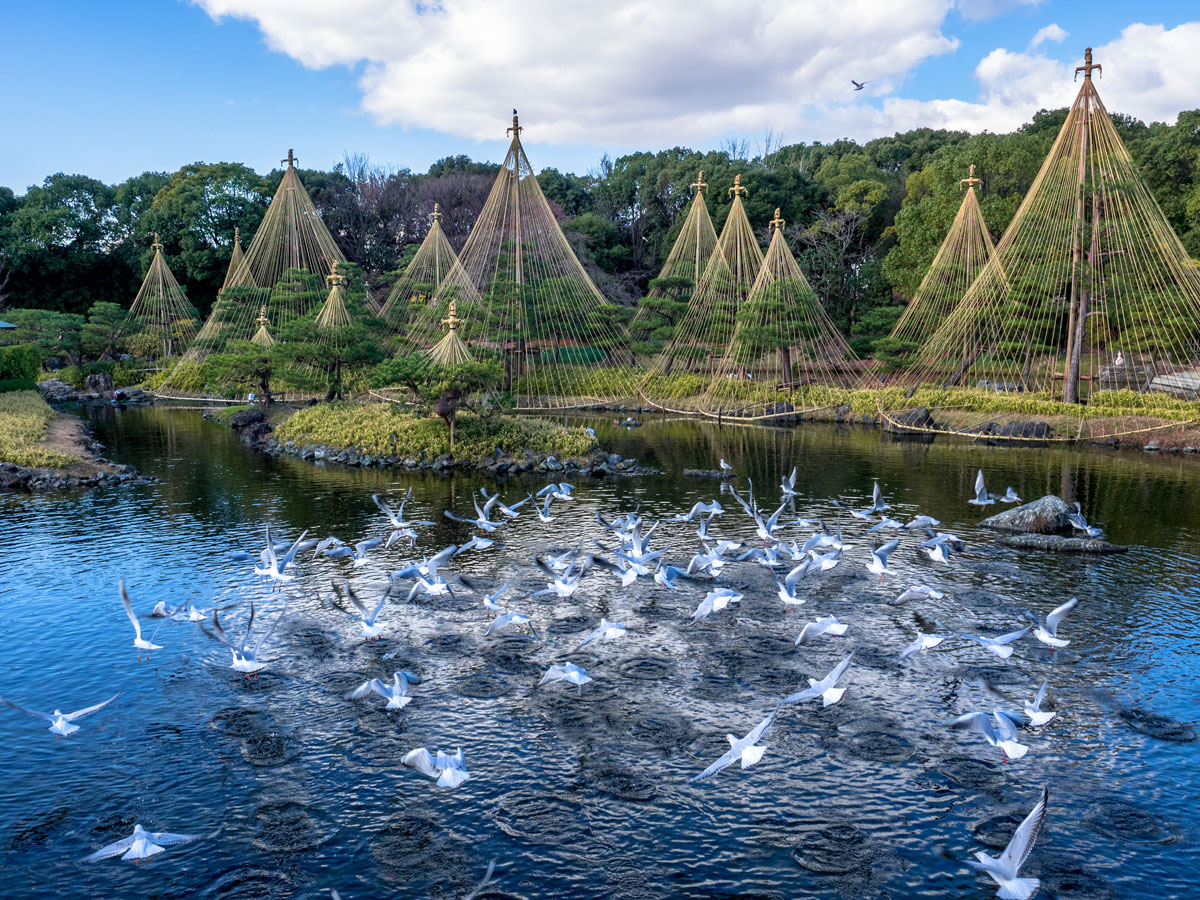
x: 162, y: 308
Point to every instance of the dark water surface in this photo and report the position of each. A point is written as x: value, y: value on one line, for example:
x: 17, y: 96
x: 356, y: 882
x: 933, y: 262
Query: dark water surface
x: 588, y: 796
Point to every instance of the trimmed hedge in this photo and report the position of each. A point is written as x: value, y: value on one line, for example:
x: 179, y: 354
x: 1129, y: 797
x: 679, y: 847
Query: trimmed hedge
x: 20, y: 361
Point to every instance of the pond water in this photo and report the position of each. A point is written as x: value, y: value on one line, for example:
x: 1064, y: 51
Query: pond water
x: 588, y: 794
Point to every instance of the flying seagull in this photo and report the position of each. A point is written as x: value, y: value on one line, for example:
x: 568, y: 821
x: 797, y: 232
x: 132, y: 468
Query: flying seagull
x: 1048, y: 633
x: 814, y: 629
x: 746, y: 749
x: 825, y: 688
x: 1004, y: 868
x: 138, y: 641
x: 982, y: 497
x: 61, y: 722
x: 449, y: 769
x: 395, y: 693
x: 1033, y: 709
x: 859, y: 85
x: 142, y: 844
x: 1003, y: 734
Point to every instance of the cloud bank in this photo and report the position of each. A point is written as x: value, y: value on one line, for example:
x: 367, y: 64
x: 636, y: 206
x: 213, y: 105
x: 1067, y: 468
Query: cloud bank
x: 665, y: 72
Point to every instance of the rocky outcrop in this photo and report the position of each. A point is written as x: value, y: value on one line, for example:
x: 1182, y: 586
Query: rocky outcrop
x: 1002, y: 432
x: 917, y: 420
x: 32, y: 480
x: 55, y: 390
x: 1045, y: 516
x: 251, y: 427
x: 1056, y: 543
x: 99, y: 383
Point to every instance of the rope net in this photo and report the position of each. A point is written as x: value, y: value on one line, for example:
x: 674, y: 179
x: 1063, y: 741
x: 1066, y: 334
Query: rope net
x: 783, y: 343
x: 681, y: 372
x: 964, y: 252
x: 161, y: 319
x: 450, y: 350
x: 1089, y: 293
x: 281, y: 270
x: 235, y: 258
x: 665, y: 303
x: 432, y: 263
x: 525, y: 300
x: 1089, y: 289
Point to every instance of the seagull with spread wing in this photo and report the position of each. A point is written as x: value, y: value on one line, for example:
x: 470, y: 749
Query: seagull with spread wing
x: 1005, y: 868
x: 138, y: 641
x: 142, y: 844
x: 61, y: 723
x: 746, y: 750
x: 448, y: 768
x: 826, y: 688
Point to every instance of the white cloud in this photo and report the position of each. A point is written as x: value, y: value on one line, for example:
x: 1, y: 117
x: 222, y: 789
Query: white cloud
x: 624, y: 72
x: 1050, y: 33
x: 654, y: 73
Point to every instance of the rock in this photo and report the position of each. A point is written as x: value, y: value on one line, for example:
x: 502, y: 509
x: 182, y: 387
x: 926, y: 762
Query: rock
x: 1045, y: 516
x: 445, y: 461
x: 55, y: 389
x: 246, y: 417
x: 999, y: 433
x: 1151, y: 446
x: 917, y: 419
x: 99, y: 383
x: 631, y: 422
x: 1002, y: 387
x: 1059, y: 544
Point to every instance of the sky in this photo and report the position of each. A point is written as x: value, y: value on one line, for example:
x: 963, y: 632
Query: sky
x: 112, y: 89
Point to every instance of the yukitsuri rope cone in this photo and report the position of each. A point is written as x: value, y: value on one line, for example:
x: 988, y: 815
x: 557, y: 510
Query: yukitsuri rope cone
x: 523, y: 298
x: 450, y: 350
x: 682, y: 371
x: 966, y: 249
x: 235, y: 258
x: 292, y: 244
x: 162, y: 309
x: 662, y: 309
x: 1089, y: 291
x: 262, y: 337
x: 430, y: 266
x: 783, y: 344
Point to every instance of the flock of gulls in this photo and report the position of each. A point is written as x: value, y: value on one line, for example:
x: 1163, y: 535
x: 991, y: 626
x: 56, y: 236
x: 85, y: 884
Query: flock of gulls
x: 629, y: 557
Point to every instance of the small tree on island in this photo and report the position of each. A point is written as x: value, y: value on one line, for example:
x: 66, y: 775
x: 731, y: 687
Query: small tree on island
x: 246, y: 364
x: 442, y: 390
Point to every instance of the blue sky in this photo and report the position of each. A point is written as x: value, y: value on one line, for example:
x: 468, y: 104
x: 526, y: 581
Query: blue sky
x: 113, y: 89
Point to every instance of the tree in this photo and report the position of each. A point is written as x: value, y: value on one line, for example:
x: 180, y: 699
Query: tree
x: 56, y: 335
x: 245, y: 364
x: 101, y: 336
x: 442, y: 390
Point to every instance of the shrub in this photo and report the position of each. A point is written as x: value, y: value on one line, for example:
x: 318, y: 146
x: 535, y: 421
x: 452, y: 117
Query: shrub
x: 24, y: 417
x: 20, y: 361
x: 381, y: 429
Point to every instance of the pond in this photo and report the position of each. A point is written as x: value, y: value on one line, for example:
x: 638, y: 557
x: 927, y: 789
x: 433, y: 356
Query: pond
x: 587, y: 794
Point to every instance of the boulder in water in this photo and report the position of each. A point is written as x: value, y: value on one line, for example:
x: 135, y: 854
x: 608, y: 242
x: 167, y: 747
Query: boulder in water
x: 917, y: 419
x: 1059, y: 544
x: 1045, y: 516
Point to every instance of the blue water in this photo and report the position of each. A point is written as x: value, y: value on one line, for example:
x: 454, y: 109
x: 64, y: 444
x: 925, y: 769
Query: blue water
x: 300, y: 790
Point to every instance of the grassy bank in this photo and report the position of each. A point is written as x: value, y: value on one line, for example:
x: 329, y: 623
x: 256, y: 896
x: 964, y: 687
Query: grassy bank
x: 382, y: 429
x: 25, y: 439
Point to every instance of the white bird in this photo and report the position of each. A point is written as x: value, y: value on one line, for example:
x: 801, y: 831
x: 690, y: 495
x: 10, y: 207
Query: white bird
x: 138, y: 641
x: 938, y: 553
x: 715, y: 601
x: 1004, y: 869
x: 699, y: 508
x: 923, y: 642
x: 475, y: 543
x: 371, y: 629
x: 1079, y: 523
x: 787, y: 587
x: 746, y: 750
x: 362, y: 548
x: 481, y: 521
x: 449, y: 769
x: 560, y: 491
x: 878, y: 564
x: 543, y: 512
x: 943, y: 537
x: 667, y: 575
x: 142, y: 844
x: 1033, y: 708
x: 568, y: 672
x: 509, y: 512
x: 922, y: 521
x: 427, y: 579
x: 1003, y: 734
x: 887, y: 522
x: 61, y: 722
x: 400, y: 527
x: 245, y: 657
x: 605, y: 631
x: 562, y: 586
x: 982, y: 497
x: 917, y: 592
x: 274, y: 566
x: 395, y: 693
x: 818, y: 627
x: 725, y: 467
x: 506, y: 618
x: 1010, y: 496
x: 877, y: 502
x: 1048, y: 633
x: 826, y: 688
x: 788, y: 484
x: 999, y: 645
